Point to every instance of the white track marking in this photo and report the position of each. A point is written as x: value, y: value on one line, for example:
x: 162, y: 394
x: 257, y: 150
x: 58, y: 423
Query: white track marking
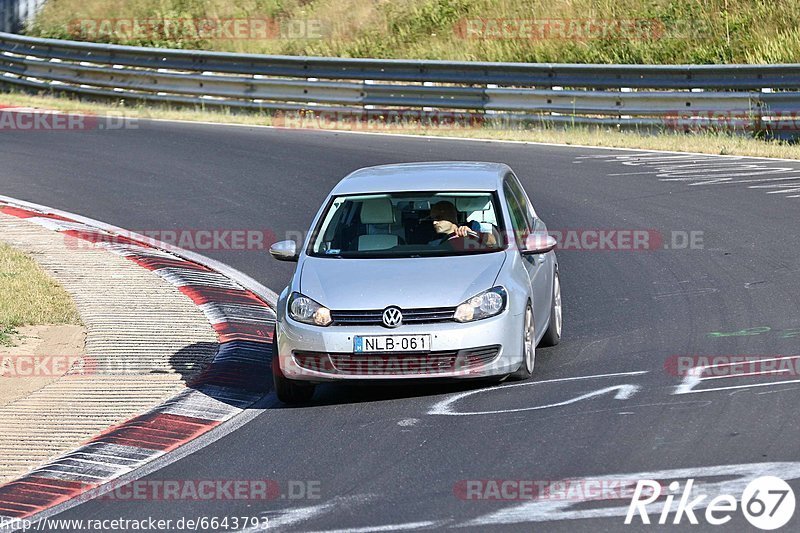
x: 748, y: 374
x: 705, y: 167
x: 707, y: 481
x: 409, y: 526
x: 694, y: 377
x: 624, y: 392
x: 287, y: 517
x: 710, y: 170
x: 762, y: 180
x: 720, y: 179
x: 290, y: 517
x: 782, y: 191
x: 683, y: 389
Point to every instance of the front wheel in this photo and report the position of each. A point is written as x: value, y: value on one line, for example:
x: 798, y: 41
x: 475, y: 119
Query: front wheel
x: 552, y: 336
x: 528, y: 350
x: 289, y: 391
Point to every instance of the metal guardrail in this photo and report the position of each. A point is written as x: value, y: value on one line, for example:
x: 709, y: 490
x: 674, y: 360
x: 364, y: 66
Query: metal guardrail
x: 749, y: 98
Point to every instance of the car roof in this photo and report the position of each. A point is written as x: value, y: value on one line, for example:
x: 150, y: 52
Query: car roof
x: 411, y: 177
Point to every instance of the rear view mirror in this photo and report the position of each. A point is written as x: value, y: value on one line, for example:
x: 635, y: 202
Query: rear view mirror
x: 538, y: 243
x: 284, y: 251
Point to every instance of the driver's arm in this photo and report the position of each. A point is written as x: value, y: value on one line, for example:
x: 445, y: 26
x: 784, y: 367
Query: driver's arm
x: 465, y: 231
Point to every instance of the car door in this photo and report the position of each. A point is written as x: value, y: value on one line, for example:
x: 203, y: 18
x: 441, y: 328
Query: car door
x: 540, y: 269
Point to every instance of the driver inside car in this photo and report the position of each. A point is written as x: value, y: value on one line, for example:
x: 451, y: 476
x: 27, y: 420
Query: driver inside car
x: 445, y: 223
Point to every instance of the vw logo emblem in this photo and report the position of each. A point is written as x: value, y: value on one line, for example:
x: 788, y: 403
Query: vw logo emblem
x: 392, y: 317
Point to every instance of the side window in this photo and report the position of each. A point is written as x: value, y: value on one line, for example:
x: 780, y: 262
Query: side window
x: 523, y: 199
x: 519, y: 218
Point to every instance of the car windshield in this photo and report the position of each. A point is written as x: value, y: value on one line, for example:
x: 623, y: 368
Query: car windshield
x: 417, y: 224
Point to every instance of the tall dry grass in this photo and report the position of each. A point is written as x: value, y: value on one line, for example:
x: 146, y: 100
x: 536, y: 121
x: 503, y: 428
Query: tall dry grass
x: 671, y: 31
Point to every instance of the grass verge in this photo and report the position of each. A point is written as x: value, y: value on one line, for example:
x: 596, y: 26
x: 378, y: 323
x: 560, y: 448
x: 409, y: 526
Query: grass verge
x: 708, y: 142
x: 29, y: 297
x: 559, y: 31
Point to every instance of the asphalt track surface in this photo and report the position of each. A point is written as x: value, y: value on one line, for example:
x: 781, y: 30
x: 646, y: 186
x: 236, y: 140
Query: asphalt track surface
x: 381, y: 458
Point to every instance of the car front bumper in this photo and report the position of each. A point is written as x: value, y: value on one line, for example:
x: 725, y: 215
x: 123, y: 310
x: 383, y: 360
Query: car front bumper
x: 485, y: 348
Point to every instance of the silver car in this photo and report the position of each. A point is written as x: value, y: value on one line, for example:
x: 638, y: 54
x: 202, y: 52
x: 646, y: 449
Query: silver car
x: 417, y: 271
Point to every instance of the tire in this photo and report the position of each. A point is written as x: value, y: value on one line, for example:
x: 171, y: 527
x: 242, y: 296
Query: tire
x: 529, y: 350
x: 552, y: 336
x: 289, y: 391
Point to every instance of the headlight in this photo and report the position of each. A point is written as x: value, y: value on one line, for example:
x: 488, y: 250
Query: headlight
x: 486, y: 304
x: 305, y: 310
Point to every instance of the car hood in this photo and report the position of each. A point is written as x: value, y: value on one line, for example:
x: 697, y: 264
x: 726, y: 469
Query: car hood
x: 406, y: 283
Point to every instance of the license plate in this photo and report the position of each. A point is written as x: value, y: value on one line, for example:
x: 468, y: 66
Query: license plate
x: 392, y: 343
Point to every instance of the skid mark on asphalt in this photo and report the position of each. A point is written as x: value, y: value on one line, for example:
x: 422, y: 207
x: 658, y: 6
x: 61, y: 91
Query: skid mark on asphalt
x: 687, y: 292
x: 791, y: 389
x: 779, y: 177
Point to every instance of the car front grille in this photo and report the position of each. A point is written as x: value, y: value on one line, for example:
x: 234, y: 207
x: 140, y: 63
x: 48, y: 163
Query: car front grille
x: 433, y: 363
x: 410, y: 316
x: 478, y: 357
x: 397, y: 364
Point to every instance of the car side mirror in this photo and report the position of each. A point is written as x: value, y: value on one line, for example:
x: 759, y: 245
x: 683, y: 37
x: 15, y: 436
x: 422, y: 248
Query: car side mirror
x: 284, y: 251
x: 538, y: 243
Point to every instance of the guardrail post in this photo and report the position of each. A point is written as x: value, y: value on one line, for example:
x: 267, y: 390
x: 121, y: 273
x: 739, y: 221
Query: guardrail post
x: 14, y: 14
x: 6, y: 16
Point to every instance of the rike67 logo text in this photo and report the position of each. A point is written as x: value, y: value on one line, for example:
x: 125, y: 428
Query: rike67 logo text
x: 767, y: 503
